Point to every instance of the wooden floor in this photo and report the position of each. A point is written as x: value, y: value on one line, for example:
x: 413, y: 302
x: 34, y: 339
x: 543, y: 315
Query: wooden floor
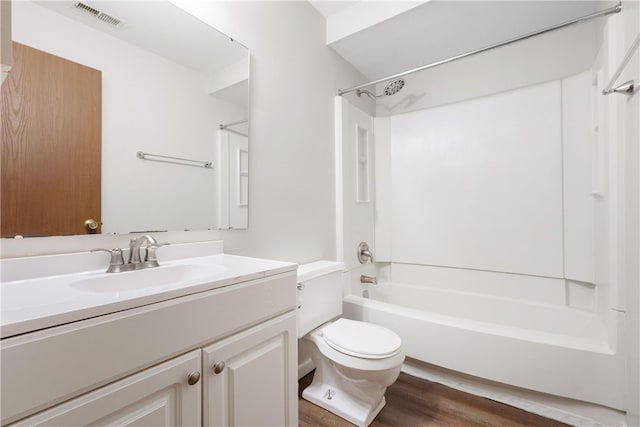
x: 413, y: 401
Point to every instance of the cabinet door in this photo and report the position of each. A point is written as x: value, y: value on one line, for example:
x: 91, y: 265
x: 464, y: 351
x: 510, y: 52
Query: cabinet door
x: 158, y: 396
x: 250, y: 378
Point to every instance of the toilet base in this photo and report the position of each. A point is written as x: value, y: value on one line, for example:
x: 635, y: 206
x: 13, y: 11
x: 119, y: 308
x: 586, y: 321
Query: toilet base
x: 342, y: 404
x: 351, y: 387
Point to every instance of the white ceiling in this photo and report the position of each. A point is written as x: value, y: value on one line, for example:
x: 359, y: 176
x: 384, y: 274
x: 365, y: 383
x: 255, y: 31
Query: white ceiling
x: 162, y: 28
x: 439, y: 29
x: 330, y: 7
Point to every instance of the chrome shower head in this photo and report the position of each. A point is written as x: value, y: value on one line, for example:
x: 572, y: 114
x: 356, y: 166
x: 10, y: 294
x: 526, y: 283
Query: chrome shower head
x: 390, y: 89
x: 394, y: 87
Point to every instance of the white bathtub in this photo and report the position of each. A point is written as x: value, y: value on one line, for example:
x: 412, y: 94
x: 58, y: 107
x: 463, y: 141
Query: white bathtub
x: 547, y: 348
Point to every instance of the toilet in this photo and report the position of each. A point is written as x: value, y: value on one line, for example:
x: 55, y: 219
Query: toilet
x: 355, y: 361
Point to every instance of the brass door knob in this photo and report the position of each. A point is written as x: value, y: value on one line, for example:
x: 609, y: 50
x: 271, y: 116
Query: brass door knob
x: 193, y: 378
x: 91, y: 224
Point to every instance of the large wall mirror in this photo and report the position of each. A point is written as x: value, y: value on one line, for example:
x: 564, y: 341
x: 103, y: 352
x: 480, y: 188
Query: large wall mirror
x: 122, y: 117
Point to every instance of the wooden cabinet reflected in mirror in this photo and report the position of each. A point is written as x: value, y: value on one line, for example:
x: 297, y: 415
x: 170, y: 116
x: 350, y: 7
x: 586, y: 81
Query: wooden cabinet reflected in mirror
x: 51, y: 144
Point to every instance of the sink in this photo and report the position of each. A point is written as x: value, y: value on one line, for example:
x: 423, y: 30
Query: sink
x: 167, y: 275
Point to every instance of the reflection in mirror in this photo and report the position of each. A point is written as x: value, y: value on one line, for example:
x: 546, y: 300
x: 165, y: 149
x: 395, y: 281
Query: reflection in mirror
x: 131, y: 77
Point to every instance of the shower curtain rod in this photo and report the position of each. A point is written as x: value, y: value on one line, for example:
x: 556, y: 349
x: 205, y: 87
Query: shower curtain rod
x: 629, y: 87
x: 615, y: 9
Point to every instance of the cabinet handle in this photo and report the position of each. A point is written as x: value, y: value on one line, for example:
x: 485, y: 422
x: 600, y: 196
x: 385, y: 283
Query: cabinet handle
x: 218, y: 367
x: 193, y: 378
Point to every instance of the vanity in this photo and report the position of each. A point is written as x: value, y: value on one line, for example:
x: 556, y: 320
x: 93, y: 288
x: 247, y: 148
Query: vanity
x: 206, y: 338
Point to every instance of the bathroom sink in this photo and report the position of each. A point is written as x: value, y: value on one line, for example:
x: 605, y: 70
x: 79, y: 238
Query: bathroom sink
x: 167, y: 275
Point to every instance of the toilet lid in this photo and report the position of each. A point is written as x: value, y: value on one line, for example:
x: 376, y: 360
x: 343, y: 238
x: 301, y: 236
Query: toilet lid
x: 361, y: 339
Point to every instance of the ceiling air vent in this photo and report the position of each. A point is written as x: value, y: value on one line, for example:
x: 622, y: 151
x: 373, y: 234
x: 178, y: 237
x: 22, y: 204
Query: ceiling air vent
x: 104, y: 17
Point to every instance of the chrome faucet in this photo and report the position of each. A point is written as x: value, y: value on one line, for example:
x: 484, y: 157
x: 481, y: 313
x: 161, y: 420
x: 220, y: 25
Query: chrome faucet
x: 136, y: 244
x: 368, y: 279
x: 135, y: 262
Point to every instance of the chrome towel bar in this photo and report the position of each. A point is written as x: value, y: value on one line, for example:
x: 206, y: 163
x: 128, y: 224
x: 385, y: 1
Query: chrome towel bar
x: 177, y: 160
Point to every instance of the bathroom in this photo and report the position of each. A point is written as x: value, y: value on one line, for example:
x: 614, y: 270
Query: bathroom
x: 300, y: 211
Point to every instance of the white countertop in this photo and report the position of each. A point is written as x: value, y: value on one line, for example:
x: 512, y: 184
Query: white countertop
x: 41, y: 302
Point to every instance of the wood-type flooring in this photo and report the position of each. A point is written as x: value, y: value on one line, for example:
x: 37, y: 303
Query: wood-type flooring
x: 413, y: 401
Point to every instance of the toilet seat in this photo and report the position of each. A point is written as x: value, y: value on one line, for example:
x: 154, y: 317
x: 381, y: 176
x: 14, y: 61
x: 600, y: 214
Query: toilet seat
x: 362, y: 340
x: 353, y: 362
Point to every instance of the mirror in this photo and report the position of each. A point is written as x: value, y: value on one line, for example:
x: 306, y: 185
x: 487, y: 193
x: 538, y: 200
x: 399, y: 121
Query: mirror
x: 172, y: 118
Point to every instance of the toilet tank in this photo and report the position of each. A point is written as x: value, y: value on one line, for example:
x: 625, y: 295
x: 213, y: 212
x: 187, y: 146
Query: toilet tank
x: 319, y: 294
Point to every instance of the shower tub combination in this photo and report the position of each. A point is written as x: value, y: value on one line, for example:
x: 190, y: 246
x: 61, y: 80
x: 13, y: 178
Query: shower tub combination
x: 546, y: 348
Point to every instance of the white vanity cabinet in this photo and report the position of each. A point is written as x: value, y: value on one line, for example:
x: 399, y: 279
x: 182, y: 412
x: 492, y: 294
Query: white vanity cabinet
x: 247, y: 377
x: 159, y: 396
x: 133, y: 367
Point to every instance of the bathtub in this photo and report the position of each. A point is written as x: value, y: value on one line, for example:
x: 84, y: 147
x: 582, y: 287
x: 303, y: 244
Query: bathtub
x: 542, y: 347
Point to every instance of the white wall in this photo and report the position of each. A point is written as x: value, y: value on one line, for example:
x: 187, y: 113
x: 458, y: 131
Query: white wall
x: 294, y: 77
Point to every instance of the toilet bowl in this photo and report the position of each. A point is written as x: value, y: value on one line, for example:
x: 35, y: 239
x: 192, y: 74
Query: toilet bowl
x: 355, y: 361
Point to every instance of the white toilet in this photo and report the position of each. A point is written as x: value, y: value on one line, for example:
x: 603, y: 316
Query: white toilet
x: 355, y: 361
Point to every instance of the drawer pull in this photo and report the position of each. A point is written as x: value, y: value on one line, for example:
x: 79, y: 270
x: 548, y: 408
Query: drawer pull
x: 218, y: 367
x: 193, y: 378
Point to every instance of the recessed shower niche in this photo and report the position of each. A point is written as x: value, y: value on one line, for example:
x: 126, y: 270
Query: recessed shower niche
x: 362, y: 166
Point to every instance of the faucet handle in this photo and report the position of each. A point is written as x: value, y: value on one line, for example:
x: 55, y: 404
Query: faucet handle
x: 364, y: 254
x: 116, y: 261
x: 151, y: 251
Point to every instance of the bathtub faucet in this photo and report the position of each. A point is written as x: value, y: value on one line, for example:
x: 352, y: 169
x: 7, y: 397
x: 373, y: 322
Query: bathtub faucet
x: 368, y: 279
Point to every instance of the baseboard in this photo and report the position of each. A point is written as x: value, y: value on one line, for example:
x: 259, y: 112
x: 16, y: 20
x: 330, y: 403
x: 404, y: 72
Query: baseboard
x: 304, y: 367
x: 569, y: 411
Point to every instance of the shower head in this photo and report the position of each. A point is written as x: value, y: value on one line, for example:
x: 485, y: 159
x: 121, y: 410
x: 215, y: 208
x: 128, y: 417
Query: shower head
x: 391, y: 88
x: 394, y: 87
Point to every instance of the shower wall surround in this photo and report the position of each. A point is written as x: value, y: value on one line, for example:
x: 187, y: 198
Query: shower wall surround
x: 497, y: 175
x: 478, y: 184
x: 504, y: 184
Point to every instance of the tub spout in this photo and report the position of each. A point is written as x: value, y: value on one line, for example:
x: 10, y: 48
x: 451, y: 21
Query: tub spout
x: 368, y: 279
